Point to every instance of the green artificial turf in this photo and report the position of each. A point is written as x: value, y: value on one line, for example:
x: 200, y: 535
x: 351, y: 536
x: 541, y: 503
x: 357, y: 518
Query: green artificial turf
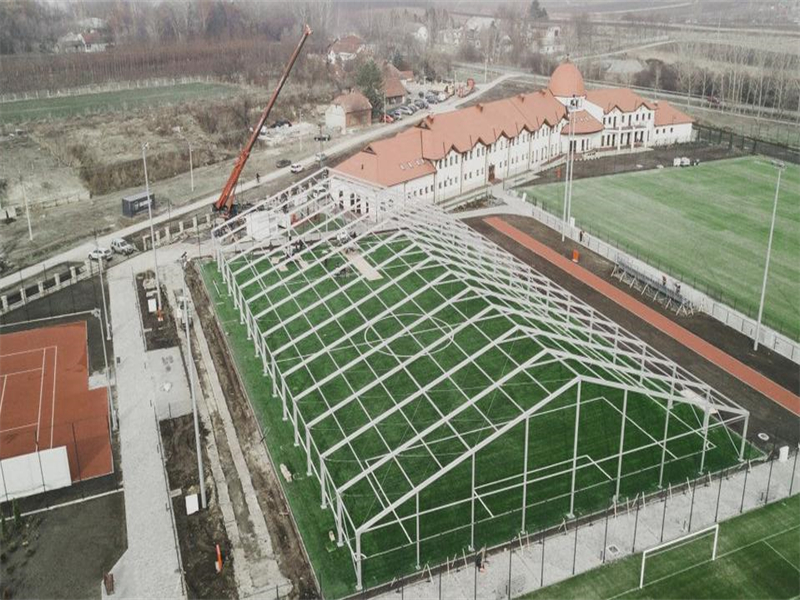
x: 412, y: 314
x: 707, y: 225
x: 758, y: 557
x: 67, y: 106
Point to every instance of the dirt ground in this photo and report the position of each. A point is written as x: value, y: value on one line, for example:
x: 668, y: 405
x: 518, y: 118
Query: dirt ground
x: 157, y: 333
x: 63, y: 553
x: 766, y: 416
x: 199, y: 533
x: 292, y: 560
x: 45, y: 178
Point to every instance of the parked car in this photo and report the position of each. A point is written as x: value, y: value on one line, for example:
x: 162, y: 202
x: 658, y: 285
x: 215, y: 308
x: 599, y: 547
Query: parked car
x: 321, y: 157
x: 322, y: 137
x: 296, y: 168
x: 396, y: 115
x: 121, y: 246
x: 280, y: 123
x: 431, y: 99
x: 283, y: 163
x: 100, y: 254
x: 421, y: 104
x: 387, y: 118
x: 404, y: 110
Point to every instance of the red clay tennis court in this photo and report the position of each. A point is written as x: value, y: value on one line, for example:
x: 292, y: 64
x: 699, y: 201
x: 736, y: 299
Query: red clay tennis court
x: 45, y: 400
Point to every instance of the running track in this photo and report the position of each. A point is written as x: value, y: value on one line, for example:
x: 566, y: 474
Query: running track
x: 724, y: 361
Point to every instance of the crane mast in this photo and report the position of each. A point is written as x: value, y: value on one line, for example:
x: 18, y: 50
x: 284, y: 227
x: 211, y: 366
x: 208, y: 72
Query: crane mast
x: 225, y: 203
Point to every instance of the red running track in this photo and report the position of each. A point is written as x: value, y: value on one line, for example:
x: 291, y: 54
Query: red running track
x: 724, y: 361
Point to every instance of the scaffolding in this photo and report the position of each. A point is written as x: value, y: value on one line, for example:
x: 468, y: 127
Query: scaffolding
x: 343, y: 354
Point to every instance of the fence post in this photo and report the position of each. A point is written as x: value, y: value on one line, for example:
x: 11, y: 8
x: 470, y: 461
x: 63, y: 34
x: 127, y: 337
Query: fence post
x: 744, y: 487
x: 719, y: 494
x: 794, y: 468
x: 769, y: 480
x: 510, y: 556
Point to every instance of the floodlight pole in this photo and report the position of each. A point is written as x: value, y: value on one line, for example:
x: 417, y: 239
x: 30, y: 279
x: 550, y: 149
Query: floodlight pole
x: 190, y: 365
x: 152, y: 229
x: 780, y: 167
x: 568, y: 173
x: 571, y: 514
x: 103, y: 294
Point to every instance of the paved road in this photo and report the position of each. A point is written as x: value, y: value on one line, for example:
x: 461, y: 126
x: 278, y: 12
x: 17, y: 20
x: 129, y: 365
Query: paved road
x: 80, y: 252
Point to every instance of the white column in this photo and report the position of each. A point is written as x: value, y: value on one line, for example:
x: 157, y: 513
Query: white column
x: 575, y: 453
x: 472, y: 508
x: 664, y: 444
x: 417, y: 518
x: 706, y: 416
x: 621, y: 441
x: 525, y: 475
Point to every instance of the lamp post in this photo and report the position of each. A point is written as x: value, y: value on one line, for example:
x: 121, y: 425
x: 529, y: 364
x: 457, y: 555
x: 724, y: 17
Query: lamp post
x: 27, y: 210
x: 780, y: 166
x: 568, y: 174
x: 191, y: 166
x: 152, y: 228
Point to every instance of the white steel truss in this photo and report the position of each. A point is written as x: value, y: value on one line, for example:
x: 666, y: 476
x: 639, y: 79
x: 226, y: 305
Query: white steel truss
x: 310, y: 321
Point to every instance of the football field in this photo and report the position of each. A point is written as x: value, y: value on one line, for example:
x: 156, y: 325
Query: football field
x: 391, y: 376
x: 758, y: 557
x: 707, y: 225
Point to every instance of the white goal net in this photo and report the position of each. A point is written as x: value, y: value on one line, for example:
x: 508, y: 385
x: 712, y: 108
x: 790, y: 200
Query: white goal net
x: 677, y: 555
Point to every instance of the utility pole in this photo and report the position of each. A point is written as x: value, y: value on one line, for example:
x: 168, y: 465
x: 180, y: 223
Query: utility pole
x: 568, y: 171
x: 191, y: 166
x: 780, y: 166
x: 152, y: 228
x: 103, y: 294
x: 27, y: 211
x: 190, y: 361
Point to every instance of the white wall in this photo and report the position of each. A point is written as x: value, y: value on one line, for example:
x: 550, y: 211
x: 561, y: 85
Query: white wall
x: 335, y: 118
x: 672, y: 134
x: 34, y: 473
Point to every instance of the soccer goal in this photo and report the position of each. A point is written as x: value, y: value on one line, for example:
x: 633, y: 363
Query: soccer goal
x: 679, y: 554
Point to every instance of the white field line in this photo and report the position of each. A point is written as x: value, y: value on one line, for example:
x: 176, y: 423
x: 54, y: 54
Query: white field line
x: 41, y: 391
x: 53, y: 406
x: 3, y: 394
x: 25, y: 351
x: 794, y: 566
x: 708, y: 560
x: 18, y: 427
x: 21, y: 372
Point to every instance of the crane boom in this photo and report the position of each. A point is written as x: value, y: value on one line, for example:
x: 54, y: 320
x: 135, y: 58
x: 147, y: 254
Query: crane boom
x: 225, y: 201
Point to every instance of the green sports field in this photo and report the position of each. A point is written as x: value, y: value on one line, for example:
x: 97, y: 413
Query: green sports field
x: 707, y: 225
x: 374, y: 372
x: 68, y: 106
x: 758, y: 557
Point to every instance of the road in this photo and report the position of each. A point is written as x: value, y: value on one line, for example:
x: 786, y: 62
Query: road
x: 80, y: 252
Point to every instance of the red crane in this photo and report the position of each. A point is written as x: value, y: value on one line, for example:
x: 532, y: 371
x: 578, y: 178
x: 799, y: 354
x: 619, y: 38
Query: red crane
x: 225, y: 203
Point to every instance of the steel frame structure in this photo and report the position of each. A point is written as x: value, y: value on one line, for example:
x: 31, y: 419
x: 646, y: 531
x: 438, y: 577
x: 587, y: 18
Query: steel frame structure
x: 590, y: 347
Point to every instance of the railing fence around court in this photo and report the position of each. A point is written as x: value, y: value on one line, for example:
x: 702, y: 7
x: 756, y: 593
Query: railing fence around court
x: 703, y: 301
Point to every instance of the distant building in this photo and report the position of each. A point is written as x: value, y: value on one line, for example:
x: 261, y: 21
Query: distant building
x: 548, y: 40
x: 89, y: 41
x: 345, y: 49
x: 449, y: 154
x: 393, y: 89
x: 349, y: 111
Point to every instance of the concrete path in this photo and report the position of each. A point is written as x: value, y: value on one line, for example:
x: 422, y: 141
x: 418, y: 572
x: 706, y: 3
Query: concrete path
x: 149, y: 568
x: 80, y: 252
x: 255, y: 565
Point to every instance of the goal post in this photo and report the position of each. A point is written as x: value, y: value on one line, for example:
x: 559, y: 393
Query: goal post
x: 683, y: 540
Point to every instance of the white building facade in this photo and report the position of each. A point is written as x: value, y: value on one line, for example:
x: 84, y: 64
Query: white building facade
x: 451, y: 154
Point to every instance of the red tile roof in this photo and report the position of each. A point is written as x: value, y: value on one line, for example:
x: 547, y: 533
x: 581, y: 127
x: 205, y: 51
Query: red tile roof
x: 666, y: 114
x: 461, y: 129
x: 390, y: 161
x: 584, y: 123
x: 393, y: 87
x: 353, y: 102
x: 567, y: 81
x: 622, y: 98
x: 349, y: 45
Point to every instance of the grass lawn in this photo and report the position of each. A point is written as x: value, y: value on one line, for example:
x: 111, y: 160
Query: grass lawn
x: 67, y: 106
x: 331, y: 359
x: 707, y: 225
x: 758, y: 557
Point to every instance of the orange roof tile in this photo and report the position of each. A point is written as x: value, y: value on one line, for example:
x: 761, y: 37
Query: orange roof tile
x: 567, y: 81
x: 391, y: 161
x: 353, y: 102
x: 622, y: 98
x: 393, y: 87
x: 584, y: 123
x: 666, y: 114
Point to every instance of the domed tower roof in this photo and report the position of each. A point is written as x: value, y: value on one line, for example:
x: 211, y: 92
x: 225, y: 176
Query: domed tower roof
x: 566, y: 81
